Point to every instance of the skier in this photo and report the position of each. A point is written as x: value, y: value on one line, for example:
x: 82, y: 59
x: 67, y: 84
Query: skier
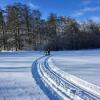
x: 48, y: 52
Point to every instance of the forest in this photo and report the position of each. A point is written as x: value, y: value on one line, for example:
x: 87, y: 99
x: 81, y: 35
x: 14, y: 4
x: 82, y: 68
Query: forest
x: 23, y: 28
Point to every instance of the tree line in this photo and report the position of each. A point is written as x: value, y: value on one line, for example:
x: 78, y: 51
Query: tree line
x: 22, y: 28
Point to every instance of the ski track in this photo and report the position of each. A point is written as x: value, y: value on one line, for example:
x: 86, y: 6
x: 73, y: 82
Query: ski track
x: 55, y: 85
x: 16, y: 80
x: 40, y: 80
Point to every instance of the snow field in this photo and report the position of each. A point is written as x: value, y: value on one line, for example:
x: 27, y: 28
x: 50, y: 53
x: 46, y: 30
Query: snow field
x: 80, y: 67
x: 84, y: 64
x: 16, y: 80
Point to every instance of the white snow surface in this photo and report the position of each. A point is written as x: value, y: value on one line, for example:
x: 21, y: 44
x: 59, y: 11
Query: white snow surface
x: 84, y: 64
x: 16, y: 80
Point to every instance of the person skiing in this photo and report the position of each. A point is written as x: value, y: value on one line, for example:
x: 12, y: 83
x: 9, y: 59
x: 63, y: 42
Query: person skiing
x: 48, y: 52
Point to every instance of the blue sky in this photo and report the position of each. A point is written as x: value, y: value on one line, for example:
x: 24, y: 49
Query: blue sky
x: 79, y: 9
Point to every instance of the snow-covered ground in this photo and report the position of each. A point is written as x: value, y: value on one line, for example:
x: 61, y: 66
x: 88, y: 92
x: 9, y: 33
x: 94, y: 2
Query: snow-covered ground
x: 16, y: 80
x: 84, y: 64
x: 53, y: 78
